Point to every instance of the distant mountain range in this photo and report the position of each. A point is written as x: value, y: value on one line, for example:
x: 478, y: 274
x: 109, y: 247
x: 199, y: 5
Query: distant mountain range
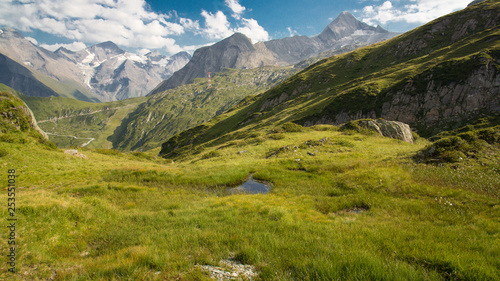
x: 440, y: 76
x: 238, y: 51
x: 102, y: 72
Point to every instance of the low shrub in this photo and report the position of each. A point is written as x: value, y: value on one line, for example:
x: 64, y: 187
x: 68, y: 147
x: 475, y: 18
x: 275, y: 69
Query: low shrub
x: 291, y: 127
x: 211, y: 154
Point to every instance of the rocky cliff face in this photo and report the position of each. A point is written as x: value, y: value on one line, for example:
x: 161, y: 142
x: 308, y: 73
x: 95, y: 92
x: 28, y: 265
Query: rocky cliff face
x: 441, y: 104
x: 430, y: 104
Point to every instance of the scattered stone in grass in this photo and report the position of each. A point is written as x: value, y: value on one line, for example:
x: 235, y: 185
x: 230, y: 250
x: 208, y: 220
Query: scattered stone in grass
x: 84, y: 254
x: 230, y: 270
x: 75, y: 152
x: 297, y: 160
x: 354, y: 211
x: 311, y: 154
x: 242, y: 151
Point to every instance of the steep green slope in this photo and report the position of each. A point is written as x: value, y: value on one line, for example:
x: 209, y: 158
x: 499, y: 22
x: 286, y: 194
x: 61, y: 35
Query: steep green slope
x: 173, y: 111
x: 17, y: 123
x: 438, y: 76
x: 71, y: 122
x: 360, y: 209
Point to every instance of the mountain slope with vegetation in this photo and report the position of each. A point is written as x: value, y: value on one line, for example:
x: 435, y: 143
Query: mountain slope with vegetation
x: 439, y: 76
x: 343, y: 205
x: 173, y: 111
x: 69, y: 122
x: 342, y: 202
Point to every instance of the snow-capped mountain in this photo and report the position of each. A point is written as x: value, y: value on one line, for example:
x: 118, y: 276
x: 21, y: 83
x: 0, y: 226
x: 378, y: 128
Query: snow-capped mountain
x: 103, y: 71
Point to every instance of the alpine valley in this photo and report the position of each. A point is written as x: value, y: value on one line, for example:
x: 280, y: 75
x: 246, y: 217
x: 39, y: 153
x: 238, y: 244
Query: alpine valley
x: 355, y: 154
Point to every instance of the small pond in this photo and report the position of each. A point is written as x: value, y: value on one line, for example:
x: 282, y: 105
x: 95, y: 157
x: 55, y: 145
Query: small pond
x: 251, y: 186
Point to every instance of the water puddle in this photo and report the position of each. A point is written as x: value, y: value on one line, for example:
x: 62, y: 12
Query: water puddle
x: 251, y: 186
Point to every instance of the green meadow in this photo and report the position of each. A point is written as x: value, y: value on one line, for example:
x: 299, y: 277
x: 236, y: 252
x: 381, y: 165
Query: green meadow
x: 364, y: 207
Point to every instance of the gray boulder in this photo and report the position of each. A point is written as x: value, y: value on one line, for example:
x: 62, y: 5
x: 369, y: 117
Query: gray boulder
x: 391, y: 129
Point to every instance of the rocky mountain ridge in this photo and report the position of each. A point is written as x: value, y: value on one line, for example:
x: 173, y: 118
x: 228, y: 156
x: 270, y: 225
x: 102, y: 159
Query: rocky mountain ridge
x: 237, y: 51
x: 102, y: 72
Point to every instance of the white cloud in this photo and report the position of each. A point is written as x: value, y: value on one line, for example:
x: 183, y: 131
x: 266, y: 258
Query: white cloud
x: 32, y: 40
x: 126, y: 22
x: 235, y: 7
x: 75, y: 46
x: 216, y: 25
x: 143, y: 52
x: 414, y: 12
x: 253, y: 30
x: 291, y: 32
x: 189, y: 24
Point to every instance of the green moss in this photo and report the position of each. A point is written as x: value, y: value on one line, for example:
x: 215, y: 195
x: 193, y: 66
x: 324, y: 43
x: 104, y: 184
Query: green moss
x: 290, y: 127
x: 469, y: 143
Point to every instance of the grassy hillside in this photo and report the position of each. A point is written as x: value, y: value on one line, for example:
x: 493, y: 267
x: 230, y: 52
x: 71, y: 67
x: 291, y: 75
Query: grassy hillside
x: 344, y: 203
x: 391, y: 80
x: 71, y: 122
x: 173, y: 111
x: 361, y: 209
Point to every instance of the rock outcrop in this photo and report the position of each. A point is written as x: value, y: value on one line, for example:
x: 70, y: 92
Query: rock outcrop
x: 15, y: 116
x: 75, y: 153
x: 390, y: 129
x: 440, y: 103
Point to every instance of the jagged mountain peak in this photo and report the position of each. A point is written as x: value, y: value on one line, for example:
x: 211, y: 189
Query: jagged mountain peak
x: 236, y: 40
x: 63, y: 50
x: 105, y: 50
x: 232, y: 52
x: 109, y: 45
x: 345, y: 25
x: 181, y: 54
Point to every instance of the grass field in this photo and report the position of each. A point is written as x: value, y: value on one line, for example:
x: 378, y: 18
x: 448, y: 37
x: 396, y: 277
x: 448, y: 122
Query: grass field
x: 361, y: 209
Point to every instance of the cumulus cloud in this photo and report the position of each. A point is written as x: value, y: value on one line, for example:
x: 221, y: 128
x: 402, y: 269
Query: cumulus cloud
x: 414, y: 12
x: 235, y: 7
x: 126, y: 22
x: 75, y: 46
x: 253, y: 30
x: 217, y: 26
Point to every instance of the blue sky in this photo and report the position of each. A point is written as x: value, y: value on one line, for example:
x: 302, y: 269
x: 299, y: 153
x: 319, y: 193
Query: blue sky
x: 171, y: 26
